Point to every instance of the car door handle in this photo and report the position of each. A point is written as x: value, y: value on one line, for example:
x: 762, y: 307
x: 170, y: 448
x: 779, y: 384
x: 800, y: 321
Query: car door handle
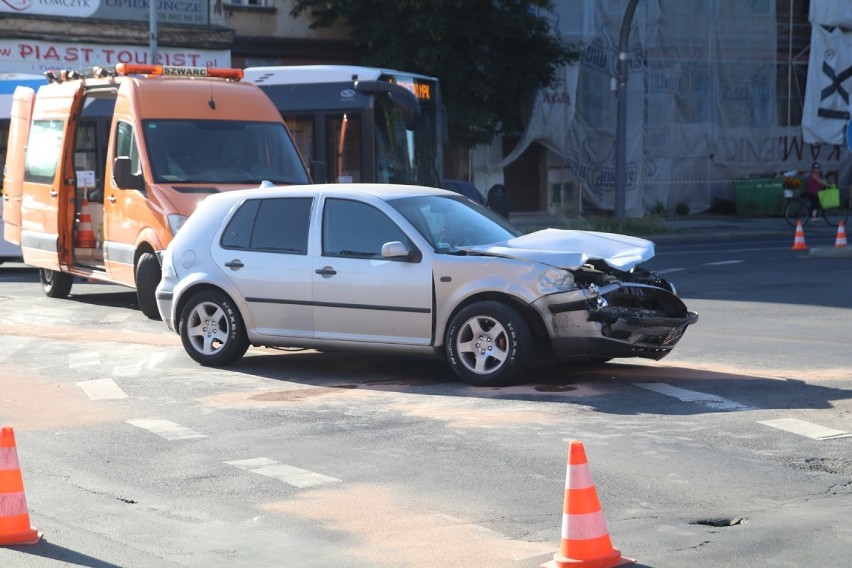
x: 111, y: 199
x: 235, y: 264
x: 326, y: 271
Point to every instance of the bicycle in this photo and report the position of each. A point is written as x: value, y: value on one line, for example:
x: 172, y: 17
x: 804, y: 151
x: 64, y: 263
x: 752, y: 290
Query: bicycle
x: 798, y: 210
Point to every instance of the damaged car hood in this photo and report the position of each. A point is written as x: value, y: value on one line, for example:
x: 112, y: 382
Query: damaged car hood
x: 571, y: 249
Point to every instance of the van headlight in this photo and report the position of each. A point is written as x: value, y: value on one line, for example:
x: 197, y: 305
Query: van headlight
x: 176, y: 222
x: 556, y: 280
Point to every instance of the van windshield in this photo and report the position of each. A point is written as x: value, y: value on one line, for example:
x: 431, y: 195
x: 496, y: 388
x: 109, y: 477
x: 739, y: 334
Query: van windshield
x: 222, y: 151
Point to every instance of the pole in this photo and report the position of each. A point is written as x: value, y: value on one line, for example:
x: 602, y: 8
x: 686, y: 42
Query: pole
x: 152, y: 19
x: 621, y: 124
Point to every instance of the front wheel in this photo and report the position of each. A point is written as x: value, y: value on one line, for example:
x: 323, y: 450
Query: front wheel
x: 488, y: 343
x: 148, y: 274
x: 797, y: 211
x: 54, y: 283
x: 212, y: 330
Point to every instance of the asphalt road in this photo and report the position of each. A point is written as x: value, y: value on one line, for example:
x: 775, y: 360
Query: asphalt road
x: 733, y: 451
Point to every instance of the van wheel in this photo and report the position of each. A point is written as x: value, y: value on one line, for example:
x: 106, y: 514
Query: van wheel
x: 148, y: 274
x: 212, y: 330
x: 55, y: 284
x: 488, y: 343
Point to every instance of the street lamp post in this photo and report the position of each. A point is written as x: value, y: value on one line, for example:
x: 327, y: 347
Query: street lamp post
x: 621, y: 116
x: 152, y: 20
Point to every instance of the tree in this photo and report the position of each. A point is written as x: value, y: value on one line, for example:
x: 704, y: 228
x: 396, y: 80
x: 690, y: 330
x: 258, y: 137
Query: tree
x: 491, y: 56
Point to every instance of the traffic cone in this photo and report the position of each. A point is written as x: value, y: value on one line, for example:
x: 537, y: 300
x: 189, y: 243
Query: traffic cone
x: 585, y: 540
x: 799, y: 240
x: 85, y: 234
x: 840, y: 242
x: 14, y: 519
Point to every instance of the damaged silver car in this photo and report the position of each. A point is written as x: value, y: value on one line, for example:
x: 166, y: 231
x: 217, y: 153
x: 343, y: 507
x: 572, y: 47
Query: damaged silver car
x: 412, y: 270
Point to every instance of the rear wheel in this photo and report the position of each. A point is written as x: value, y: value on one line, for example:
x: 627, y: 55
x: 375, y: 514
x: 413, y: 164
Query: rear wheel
x: 55, y: 284
x: 797, y: 211
x: 148, y: 274
x: 488, y: 343
x: 835, y: 215
x: 212, y: 330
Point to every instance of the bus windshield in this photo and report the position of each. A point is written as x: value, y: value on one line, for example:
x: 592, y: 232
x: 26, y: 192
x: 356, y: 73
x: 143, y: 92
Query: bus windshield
x: 406, y: 156
x: 221, y: 151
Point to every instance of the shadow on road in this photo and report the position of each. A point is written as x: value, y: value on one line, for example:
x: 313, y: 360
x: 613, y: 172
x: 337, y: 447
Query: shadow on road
x: 46, y: 549
x: 600, y: 387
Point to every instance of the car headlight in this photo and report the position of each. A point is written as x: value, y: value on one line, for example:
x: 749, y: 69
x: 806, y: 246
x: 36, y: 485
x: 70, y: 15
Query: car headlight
x: 176, y: 222
x: 556, y: 280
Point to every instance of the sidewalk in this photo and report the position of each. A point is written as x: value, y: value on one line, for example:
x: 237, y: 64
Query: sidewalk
x: 718, y: 226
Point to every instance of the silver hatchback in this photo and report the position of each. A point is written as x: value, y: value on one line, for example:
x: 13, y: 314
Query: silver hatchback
x: 408, y: 269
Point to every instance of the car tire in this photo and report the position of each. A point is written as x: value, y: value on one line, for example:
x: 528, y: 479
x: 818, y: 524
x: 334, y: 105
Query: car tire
x: 55, y: 284
x: 148, y: 274
x: 212, y: 330
x: 488, y: 343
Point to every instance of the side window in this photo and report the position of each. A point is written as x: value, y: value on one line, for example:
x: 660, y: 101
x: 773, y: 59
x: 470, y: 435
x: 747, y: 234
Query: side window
x: 270, y: 225
x: 237, y: 234
x: 44, y: 147
x: 282, y: 225
x: 355, y: 229
x: 125, y: 146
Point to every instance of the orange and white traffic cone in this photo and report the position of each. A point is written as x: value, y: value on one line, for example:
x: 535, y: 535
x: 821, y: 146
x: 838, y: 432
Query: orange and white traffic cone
x: 840, y: 242
x: 85, y: 234
x: 14, y: 518
x: 799, y: 239
x: 585, y: 540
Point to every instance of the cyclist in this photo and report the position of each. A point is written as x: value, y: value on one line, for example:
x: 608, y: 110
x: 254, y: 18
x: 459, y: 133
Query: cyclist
x: 816, y: 183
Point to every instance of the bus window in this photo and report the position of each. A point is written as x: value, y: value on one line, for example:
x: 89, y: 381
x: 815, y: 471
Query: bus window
x: 344, y: 148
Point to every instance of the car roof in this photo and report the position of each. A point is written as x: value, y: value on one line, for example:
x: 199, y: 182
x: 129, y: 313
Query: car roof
x: 384, y: 191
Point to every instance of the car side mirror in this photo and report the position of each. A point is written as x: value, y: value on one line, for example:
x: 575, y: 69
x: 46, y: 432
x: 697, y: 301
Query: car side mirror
x: 397, y: 250
x: 123, y: 177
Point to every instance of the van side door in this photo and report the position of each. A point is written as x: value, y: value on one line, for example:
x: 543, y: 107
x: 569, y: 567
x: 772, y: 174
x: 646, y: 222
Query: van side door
x: 13, y: 173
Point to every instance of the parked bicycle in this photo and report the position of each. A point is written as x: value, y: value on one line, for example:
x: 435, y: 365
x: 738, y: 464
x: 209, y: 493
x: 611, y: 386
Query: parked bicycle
x: 832, y: 207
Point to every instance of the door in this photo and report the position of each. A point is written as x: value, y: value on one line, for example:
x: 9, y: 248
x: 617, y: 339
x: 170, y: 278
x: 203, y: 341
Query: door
x: 360, y: 296
x: 13, y: 177
x: 264, y: 252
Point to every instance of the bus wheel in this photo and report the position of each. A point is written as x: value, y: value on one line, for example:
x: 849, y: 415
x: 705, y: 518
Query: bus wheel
x: 148, y: 275
x: 55, y: 284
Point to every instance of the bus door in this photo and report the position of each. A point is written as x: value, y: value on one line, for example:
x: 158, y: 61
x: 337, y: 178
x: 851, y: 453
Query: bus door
x: 345, y: 145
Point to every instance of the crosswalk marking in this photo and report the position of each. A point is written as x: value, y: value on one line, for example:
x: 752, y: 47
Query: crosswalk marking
x: 286, y: 473
x: 722, y: 262
x: 101, y: 389
x: 704, y: 399
x: 86, y: 359
x: 165, y: 428
x: 807, y: 429
x: 669, y: 270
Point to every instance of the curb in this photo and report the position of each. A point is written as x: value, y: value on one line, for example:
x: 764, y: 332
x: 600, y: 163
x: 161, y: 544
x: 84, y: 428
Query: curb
x: 833, y: 252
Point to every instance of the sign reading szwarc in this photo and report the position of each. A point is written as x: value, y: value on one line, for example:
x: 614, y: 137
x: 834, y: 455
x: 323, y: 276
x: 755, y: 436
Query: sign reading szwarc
x: 195, y: 12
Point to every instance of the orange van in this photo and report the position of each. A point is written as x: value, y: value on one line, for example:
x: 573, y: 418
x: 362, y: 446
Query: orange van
x: 102, y: 170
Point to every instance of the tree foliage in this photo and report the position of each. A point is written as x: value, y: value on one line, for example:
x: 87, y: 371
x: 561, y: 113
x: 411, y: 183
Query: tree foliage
x: 491, y: 56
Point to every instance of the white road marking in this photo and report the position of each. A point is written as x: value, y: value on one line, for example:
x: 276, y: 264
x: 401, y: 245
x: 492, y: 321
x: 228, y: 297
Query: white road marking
x: 101, y: 389
x: 165, y: 428
x: 117, y: 317
x: 669, y: 270
x: 286, y: 473
x: 721, y: 262
x: 807, y: 429
x: 709, y: 400
x: 86, y: 359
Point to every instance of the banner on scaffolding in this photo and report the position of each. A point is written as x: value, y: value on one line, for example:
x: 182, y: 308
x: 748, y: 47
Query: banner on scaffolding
x: 831, y: 13
x: 826, y: 106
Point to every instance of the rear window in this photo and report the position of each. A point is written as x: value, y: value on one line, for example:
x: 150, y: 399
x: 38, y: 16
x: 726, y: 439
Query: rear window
x: 44, y: 148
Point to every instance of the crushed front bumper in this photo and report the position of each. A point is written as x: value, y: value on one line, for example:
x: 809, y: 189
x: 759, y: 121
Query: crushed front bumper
x: 616, y: 320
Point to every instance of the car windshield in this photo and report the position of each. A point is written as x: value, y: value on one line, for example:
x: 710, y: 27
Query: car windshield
x: 453, y: 222
x: 222, y: 151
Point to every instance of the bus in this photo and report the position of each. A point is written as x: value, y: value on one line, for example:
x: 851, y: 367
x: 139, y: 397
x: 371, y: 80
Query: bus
x: 360, y: 124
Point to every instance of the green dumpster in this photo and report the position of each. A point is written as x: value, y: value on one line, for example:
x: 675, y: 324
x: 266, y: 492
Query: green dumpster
x: 760, y: 197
